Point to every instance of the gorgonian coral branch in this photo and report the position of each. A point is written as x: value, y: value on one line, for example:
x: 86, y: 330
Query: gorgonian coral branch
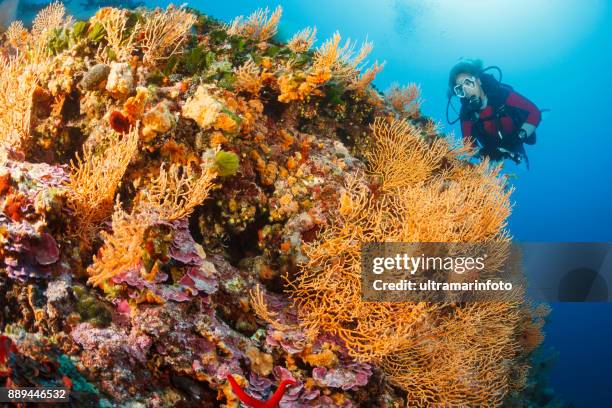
x: 399, y: 156
x: 22, y: 71
x: 120, y: 38
x: 258, y: 26
x: 404, y: 100
x: 302, y: 40
x: 17, y: 85
x: 248, y: 78
x: 122, y: 248
x: 340, y: 62
x: 171, y: 196
x: 475, y: 347
x: 260, y: 308
x: 177, y: 191
x: 164, y: 33
x: 94, y: 180
x: 49, y: 18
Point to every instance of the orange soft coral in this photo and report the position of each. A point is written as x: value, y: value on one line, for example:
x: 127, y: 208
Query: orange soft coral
x: 440, y: 354
x: 94, y: 179
x: 258, y: 26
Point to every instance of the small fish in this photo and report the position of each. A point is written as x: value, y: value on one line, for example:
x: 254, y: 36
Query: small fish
x: 255, y: 403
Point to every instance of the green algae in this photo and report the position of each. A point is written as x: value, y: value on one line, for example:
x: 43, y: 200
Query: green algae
x: 226, y: 163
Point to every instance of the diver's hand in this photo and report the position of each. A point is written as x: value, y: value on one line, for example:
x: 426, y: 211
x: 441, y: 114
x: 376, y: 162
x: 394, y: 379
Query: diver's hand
x: 522, y: 135
x: 516, y: 157
x: 527, y: 129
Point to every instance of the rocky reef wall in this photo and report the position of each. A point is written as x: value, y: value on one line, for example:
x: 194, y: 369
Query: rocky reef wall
x: 182, y: 206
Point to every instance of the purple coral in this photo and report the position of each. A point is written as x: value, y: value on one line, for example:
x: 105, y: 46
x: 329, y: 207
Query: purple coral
x: 31, y: 251
x: 347, y: 378
x: 199, y: 275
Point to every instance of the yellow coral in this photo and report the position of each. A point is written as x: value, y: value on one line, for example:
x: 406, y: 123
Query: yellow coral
x: 261, y: 363
x: 115, y: 22
x: 248, y: 78
x: 164, y: 32
x: 226, y: 123
x: 157, y: 120
x: 441, y: 354
x: 177, y: 191
x: 324, y: 358
x: 202, y: 107
x: 134, y: 106
x: 258, y: 26
x: 94, y: 179
x: 217, y: 138
x: 293, y: 88
x: 288, y: 89
x: 302, y: 40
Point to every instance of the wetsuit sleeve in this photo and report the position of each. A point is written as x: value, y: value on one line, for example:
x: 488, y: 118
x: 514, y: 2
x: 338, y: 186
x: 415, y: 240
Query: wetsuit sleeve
x: 466, y: 131
x: 533, y: 113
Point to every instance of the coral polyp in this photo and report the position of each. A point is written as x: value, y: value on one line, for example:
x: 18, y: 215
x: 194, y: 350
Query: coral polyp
x: 182, y: 208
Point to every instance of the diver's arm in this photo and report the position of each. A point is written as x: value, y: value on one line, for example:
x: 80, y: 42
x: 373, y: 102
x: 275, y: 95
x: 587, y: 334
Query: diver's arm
x: 533, y: 113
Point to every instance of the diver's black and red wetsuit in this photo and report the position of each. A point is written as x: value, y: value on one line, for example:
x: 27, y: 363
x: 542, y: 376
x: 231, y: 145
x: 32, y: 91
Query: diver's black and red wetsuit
x: 485, y: 127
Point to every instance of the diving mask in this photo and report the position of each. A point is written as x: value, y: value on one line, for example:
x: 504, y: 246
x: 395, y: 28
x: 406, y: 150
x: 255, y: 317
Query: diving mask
x: 460, y: 88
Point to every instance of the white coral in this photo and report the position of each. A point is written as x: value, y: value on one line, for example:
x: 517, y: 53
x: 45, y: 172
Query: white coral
x: 120, y: 81
x: 202, y: 108
x: 157, y: 120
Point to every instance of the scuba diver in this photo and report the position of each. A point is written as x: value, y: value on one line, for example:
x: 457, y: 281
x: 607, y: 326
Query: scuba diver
x: 493, y: 116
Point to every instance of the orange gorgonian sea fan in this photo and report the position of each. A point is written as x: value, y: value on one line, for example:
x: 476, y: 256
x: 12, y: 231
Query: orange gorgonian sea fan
x: 17, y: 85
x: 94, y: 179
x: 405, y: 100
x: 258, y: 26
x: 248, y: 78
x: 21, y: 73
x: 302, y: 40
x: 171, y: 196
x: 177, y: 191
x: 122, y: 248
x: 163, y: 33
x: 441, y: 354
x: 120, y: 37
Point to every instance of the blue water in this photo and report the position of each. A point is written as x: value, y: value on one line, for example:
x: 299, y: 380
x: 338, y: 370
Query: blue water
x: 554, y: 52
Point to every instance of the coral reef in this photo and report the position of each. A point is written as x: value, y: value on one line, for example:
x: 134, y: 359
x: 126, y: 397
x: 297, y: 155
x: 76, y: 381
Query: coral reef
x: 182, y: 204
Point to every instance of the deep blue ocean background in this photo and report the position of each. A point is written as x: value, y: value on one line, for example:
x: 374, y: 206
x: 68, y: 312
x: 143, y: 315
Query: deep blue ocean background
x: 554, y: 52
